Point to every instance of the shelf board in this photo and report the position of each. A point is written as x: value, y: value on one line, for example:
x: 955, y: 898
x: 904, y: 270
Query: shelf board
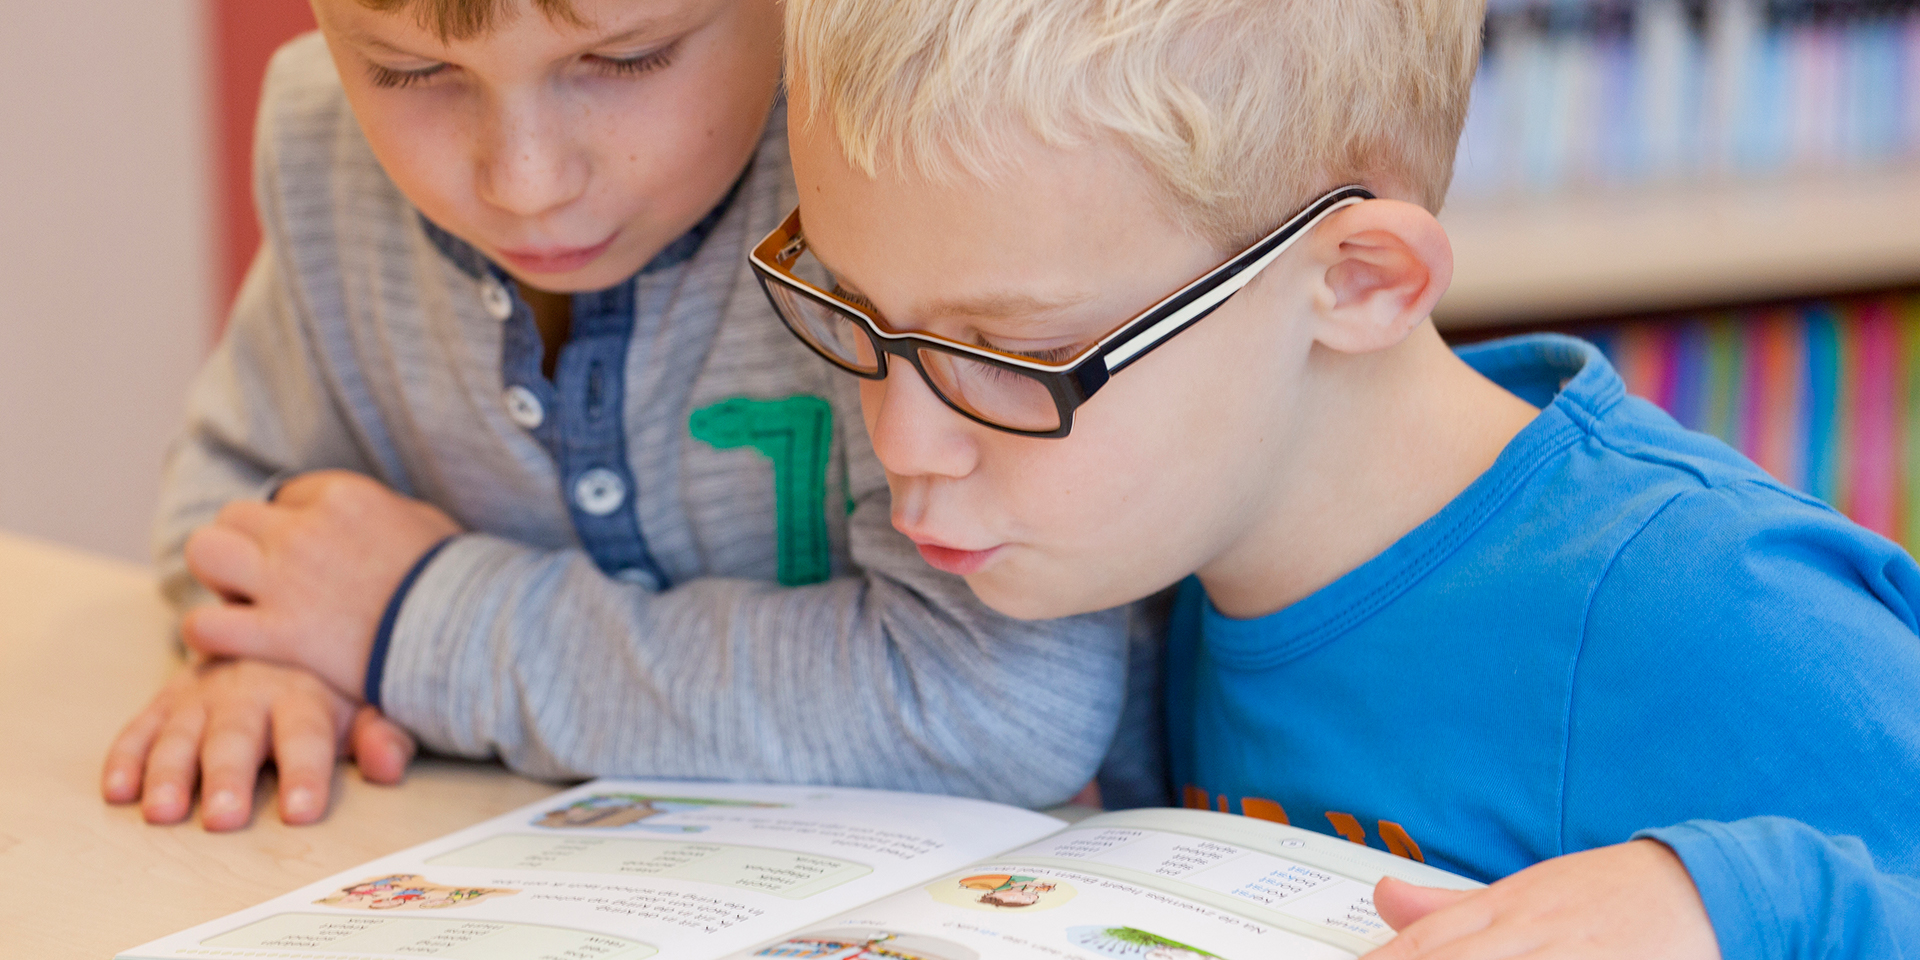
x: 1624, y: 251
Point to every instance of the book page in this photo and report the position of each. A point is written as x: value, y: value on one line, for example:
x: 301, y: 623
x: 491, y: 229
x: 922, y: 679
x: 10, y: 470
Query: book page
x: 622, y: 870
x: 1139, y: 885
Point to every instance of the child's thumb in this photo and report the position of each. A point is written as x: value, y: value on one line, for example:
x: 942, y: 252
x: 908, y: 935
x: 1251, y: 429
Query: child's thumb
x: 1401, y: 903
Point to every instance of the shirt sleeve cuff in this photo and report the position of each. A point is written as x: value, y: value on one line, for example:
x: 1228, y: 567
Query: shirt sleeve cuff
x: 383, y: 635
x: 1733, y: 888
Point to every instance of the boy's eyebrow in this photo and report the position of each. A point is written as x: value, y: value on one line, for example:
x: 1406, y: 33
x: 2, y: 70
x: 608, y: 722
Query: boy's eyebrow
x: 639, y: 31
x: 1012, y: 307
x: 624, y: 34
x: 362, y: 39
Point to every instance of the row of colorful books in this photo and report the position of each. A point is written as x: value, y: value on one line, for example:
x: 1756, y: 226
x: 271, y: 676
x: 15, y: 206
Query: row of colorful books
x: 1825, y: 395
x: 1575, y: 93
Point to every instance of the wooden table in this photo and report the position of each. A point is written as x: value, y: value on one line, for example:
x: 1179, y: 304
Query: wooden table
x: 85, y: 642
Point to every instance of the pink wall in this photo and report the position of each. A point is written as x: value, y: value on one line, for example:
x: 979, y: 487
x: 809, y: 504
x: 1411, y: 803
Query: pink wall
x: 243, y: 35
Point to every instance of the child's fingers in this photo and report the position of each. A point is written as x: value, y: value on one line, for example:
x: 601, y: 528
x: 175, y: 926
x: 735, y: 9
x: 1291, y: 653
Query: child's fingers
x: 227, y: 561
x: 1500, y: 941
x: 1401, y: 903
x: 307, y: 488
x: 250, y: 517
x: 166, y: 796
x: 380, y: 747
x: 234, y: 746
x: 127, y: 756
x: 226, y: 630
x: 306, y: 741
x: 1438, y: 931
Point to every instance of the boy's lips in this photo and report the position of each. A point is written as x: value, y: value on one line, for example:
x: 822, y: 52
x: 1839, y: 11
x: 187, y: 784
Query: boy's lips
x: 955, y: 561
x: 556, y: 259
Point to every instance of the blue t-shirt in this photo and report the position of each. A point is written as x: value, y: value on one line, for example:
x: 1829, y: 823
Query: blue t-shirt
x: 1622, y: 626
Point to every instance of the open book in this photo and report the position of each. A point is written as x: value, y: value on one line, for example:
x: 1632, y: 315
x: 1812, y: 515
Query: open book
x: 630, y: 869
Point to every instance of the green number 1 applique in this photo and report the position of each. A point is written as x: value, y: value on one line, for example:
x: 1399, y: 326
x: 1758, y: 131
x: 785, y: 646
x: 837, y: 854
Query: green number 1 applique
x: 796, y: 434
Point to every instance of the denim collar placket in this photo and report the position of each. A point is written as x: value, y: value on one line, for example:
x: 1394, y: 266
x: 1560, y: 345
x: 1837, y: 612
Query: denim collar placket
x: 578, y: 416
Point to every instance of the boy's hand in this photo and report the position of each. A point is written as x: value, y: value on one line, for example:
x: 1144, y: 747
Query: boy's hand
x: 1633, y: 901
x: 217, y: 721
x: 307, y: 576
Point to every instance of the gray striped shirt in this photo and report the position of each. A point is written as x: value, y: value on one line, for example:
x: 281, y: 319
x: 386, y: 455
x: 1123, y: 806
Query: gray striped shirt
x: 358, y: 344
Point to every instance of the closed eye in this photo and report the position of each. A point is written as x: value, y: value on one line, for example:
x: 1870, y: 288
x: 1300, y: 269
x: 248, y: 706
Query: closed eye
x: 636, y: 65
x: 855, y: 299
x: 1049, y: 356
x: 391, y: 79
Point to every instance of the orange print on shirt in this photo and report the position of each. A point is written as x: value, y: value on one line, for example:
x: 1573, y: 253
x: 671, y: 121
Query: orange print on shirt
x: 1348, y: 826
x: 1398, y: 841
x: 1260, y: 809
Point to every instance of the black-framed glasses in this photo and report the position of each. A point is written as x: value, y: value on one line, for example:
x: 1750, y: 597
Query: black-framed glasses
x: 1003, y: 390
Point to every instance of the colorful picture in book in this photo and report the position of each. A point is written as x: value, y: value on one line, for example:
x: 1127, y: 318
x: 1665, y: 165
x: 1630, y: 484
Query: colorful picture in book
x: 611, y: 810
x: 1129, y: 943
x: 1000, y: 892
x: 408, y: 891
x: 865, y: 943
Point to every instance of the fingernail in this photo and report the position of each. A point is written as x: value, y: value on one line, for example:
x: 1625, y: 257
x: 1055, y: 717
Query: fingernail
x: 300, y: 802
x: 223, y: 801
x: 118, y: 783
x: 163, y: 797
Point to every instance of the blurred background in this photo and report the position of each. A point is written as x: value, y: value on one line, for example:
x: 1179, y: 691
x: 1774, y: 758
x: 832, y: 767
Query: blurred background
x: 1725, y: 194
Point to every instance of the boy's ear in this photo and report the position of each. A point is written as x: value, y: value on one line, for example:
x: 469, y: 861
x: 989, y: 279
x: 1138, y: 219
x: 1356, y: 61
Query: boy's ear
x: 1382, y: 266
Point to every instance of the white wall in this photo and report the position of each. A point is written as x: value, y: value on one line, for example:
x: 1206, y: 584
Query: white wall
x: 105, y: 259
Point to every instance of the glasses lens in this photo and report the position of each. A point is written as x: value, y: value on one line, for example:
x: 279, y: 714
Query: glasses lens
x: 994, y: 394
x: 837, y: 335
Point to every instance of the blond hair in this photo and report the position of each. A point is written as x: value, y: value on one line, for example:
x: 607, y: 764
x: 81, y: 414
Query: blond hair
x: 1240, y: 110
x: 463, y: 19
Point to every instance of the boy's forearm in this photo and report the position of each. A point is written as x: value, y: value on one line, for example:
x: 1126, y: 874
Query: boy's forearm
x: 886, y: 681
x: 1778, y: 888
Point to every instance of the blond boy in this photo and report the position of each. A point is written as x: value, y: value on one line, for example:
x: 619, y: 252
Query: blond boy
x: 1140, y: 289
x: 502, y: 440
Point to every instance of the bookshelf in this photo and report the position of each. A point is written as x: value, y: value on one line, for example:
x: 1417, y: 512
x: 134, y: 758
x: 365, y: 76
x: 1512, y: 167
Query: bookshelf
x: 1620, y: 250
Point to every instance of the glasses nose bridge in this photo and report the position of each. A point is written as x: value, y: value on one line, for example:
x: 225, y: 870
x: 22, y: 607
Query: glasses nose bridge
x: 908, y: 350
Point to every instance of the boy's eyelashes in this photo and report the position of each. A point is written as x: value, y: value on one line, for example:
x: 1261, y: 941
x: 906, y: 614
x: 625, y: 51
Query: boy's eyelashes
x: 388, y: 78
x: 614, y: 66
x: 858, y: 300
x: 638, y: 63
x: 1050, y: 355
x: 1047, y: 355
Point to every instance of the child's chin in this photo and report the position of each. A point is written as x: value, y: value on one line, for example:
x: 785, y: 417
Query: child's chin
x: 1024, y: 598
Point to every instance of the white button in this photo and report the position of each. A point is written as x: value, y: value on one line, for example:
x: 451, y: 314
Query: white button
x: 524, y: 408
x: 638, y: 575
x: 494, y: 296
x: 599, y: 491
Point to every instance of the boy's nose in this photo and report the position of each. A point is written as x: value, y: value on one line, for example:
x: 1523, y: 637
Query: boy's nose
x: 915, y: 434
x: 528, y: 165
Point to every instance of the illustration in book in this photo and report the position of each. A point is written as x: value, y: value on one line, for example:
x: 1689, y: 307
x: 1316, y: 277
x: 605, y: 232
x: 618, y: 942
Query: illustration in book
x: 610, y: 810
x: 408, y: 891
x: 865, y: 943
x: 1129, y: 943
x: 998, y: 892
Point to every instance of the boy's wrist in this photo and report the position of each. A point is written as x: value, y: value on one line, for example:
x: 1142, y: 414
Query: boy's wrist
x: 383, y: 633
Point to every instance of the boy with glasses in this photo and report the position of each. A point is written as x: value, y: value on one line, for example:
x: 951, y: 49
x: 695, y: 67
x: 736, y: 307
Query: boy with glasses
x: 1141, y: 289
